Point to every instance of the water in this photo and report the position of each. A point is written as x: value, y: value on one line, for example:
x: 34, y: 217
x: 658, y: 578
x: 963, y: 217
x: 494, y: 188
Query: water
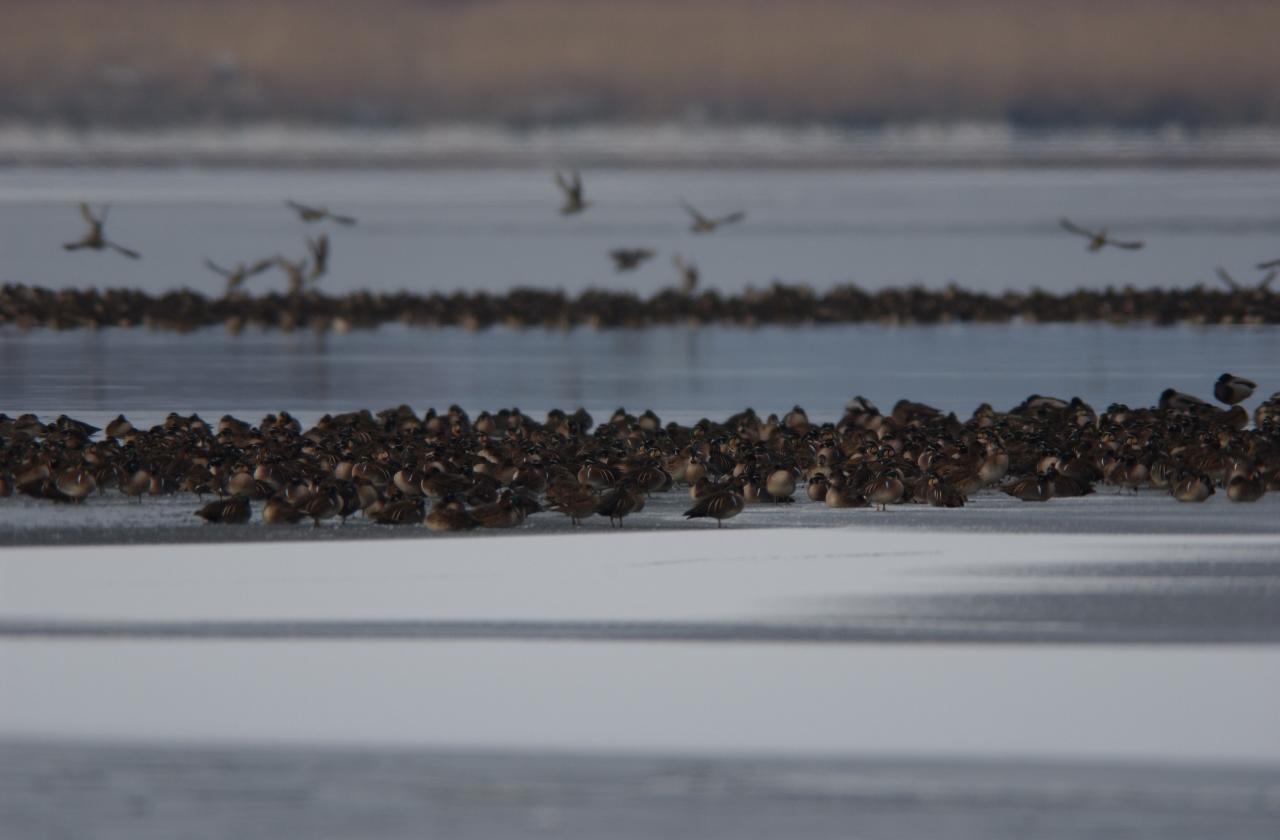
x: 683, y: 373
x: 988, y: 229
x: 145, y: 792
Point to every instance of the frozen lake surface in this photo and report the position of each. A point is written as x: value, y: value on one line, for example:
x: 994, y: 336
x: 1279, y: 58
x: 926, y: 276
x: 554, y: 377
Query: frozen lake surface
x: 443, y: 229
x: 738, y: 683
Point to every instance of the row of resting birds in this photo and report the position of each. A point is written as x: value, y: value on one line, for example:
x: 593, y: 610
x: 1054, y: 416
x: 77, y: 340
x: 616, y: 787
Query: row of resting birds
x: 450, y: 471
x: 311, y: 268
x: 28, y: 307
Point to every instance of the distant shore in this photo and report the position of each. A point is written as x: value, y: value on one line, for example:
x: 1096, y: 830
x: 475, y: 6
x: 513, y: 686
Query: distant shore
x: 612, y: 144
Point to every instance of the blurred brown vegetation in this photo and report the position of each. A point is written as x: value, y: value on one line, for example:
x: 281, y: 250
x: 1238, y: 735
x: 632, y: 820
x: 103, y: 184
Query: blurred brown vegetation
x: 1140, y: 62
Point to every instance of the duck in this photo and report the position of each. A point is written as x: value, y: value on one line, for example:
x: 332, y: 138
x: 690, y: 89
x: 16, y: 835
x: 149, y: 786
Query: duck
x: 1034, y: 488
x: 238, y: 273
x: 629, y: 259
x: 234, y: 510
x: 503, y: 513
x: 706, y: 224
x: 1192, y: 487
x: 279, y: 512
x: 319, y: 249
x: 95, y: 239
x: 448, y: 514
x: 311, y: 214
x: 76, y: 483
x: 781, y: 484
x: 1246, y: 488
x: 1098, y: 239
x: 886, y: 489
x: 323, y: 503
x: 119, y: 427
x: 571, y: 186
x: 687, y: 271
x: 1233, y: 389
x: 401, y: 512
x: 721, y: 505
x: 620, y: 502
x: 932, y: 491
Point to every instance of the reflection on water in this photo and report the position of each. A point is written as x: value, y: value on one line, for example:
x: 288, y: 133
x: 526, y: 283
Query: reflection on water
x: 680, y: 372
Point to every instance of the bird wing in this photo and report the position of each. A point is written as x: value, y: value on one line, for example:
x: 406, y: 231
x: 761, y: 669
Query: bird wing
x: 1227, y: 279
x: 216, y: 269
x: 343, y: 220
x: 1070, y: 227
x: 731, y: 218
x: 1265, y: 285
x: 565, y: 184
x: 302, y: 210
x: 1131, y: 246
x: 260, y: 266
x: 1263, y: 266
x: 87, y: 212
x: 693, y: 211
x: 128, y: 252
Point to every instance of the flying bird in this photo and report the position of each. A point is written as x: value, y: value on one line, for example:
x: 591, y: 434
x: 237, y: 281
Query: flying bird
x: 96, y: 239
x: 706, y: 224
x: 295, y: 272
x: 319, y: 248
x: 572, y: 189
x: 626, y: 259
x: 1098, y: 239
x: 1231, y: 283
x: 315, y: 214
x: 238, y: 273
x: 688, y: 274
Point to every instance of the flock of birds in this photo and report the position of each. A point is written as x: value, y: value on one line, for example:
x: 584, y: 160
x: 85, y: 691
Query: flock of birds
x: 309, y: 269
x: 298, y: 272
x: 314, y: 266
x: 451, y: 472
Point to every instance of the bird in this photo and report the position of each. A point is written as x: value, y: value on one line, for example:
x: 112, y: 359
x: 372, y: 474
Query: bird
x: 1262, y: 285
x: 1098, y: 238
x: 231, y: 511
x: 887, y: 489
x: 1034, y: 488
x: 240, y: 272
x: 449, y: 515
x: 1233, y: 389
x: 319, y: 248
x: 295, y: 271
x: 720, y: 505
x: 1191, y: 487
x: 572, y: 188
x: 96, y: 239
x: 309, y: 213
x: 279, y: 512
x: 688, y: 274
x: 627, y: 259
x: 1246, y: 488
x: 707, y: 224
